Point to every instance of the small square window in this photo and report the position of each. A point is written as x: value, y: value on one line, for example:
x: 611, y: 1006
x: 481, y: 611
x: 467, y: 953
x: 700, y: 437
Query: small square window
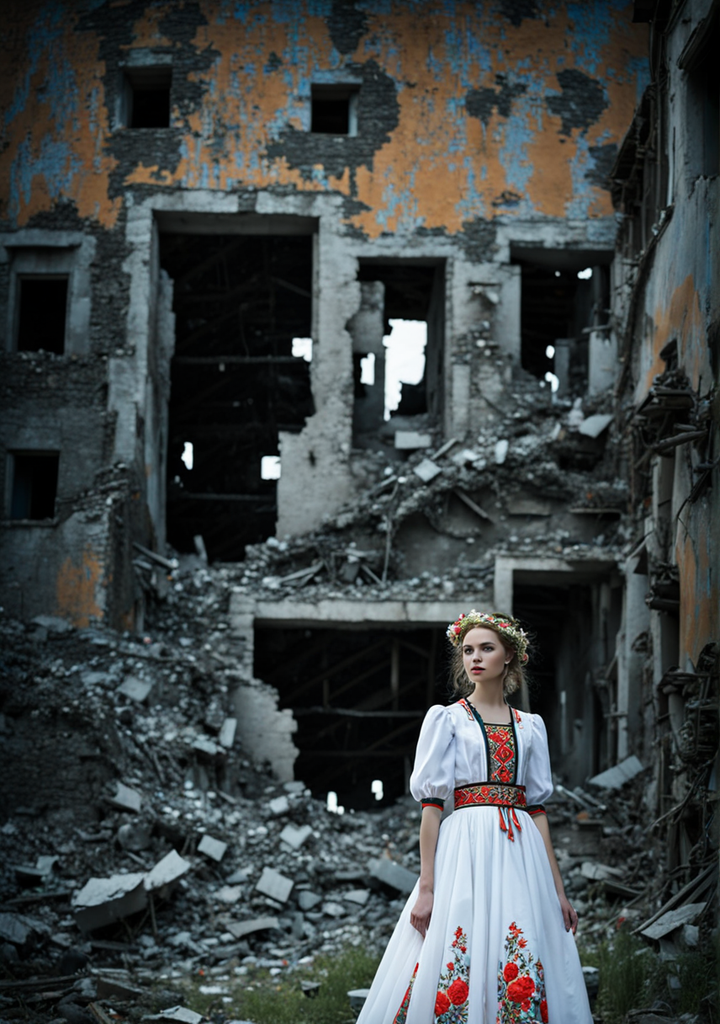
x: 34, y: 485
x: 147, y: 97
x: 42, y: 311
x: 334, y: 109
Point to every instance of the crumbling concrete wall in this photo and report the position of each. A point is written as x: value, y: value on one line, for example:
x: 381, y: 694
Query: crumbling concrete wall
x: 475, y: 131
x: 666, y: 310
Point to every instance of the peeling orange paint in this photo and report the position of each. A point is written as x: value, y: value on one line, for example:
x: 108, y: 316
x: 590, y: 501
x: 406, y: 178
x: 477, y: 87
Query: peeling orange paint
x: 699, y: 592
x: 681, y: 318
x: 76, y: 588
x: 440, y: 167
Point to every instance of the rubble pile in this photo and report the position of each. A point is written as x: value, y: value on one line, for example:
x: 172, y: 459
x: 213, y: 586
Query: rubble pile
x: 174, y: 853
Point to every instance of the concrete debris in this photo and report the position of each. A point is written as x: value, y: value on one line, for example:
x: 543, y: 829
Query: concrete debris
x: 409, y: 440
x: 618, y: 775
x: 271, y: 883
x: 593, y: 426
x: 136, y: 689
x: 295, y: 836
x: 166, y: 872
x: 395, y: 875
x: 212, y: 848
x: 427, y: 470
x: 180, y: 1014
x: 102, y: 901
x: 279, y: 805
x: 126, y: 799
x: 239, y: 929
x: 501, y: 450
x: 227, y: 733
x: 674, y: 919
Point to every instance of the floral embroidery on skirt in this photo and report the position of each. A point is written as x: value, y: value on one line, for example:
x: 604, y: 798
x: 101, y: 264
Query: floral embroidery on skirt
x: 401, y: 1016
x: 451, y: 1003
x: 521, y: 983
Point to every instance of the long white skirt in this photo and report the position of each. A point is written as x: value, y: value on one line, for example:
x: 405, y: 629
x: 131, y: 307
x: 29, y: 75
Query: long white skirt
x: 496, y: 950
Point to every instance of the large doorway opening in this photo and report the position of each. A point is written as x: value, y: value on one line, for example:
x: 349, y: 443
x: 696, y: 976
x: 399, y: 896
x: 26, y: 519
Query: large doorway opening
x: 359, y: 697
x: 240, y: 374
x: 398, y: 341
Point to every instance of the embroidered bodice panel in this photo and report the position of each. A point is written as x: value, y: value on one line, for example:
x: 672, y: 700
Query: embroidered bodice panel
x: 501, y: 742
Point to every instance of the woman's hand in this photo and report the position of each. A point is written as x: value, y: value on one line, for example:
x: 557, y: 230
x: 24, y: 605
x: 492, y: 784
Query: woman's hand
x: 420, y: 913
x: 569, y: 914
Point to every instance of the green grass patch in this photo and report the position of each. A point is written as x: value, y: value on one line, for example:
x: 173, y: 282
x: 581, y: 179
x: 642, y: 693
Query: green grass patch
x: 263, y: 998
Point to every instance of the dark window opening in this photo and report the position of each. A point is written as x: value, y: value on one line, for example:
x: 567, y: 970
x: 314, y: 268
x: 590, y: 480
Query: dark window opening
x: 359, y: 697
x: 398, y: 336
x: 563, y: 299
x: 561, y: 680
x: 699, y: 60
x: 34, y: 485
x: 148, y: 97
x: 239, y: 302
x: 333, y: 110
x: 42, y: 312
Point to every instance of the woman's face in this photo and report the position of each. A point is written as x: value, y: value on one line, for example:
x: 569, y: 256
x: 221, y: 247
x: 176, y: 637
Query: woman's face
x: 484, y: 656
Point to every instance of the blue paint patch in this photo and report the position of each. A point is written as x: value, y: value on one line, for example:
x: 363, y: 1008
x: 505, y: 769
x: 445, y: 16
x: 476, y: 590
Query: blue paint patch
x: 582, y: 190
x: 472, y: 203
x: 593, y: 22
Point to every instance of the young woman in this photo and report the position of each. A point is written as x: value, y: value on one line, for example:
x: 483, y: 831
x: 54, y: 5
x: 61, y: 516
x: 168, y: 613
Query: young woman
x: 486, y: 937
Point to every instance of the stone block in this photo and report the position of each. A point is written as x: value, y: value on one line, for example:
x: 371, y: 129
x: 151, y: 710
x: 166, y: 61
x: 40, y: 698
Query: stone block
x: 125, y: 798
x: 208, y: 748
x: 212, y: 848
x: 239, y: 929
x: 227, y: 733
x: 103, y: 901
x: 332, y: 909
x: 427, y: 470
x: 307, y: 899
x: 593, y: 426
x: 135, y: 689
x: 359, y: 896
x: 295, y: 836
x: 392, y: 874
x: 273, y: 884
x: 409, y: 440
x: 166, y: 872
x: 280, y: 805
x: 229, y: 894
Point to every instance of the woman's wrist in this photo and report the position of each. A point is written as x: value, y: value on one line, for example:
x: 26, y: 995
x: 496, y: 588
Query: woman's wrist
x: 427, y: 886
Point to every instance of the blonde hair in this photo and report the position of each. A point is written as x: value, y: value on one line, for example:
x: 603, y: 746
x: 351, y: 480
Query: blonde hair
x: 463, y: 686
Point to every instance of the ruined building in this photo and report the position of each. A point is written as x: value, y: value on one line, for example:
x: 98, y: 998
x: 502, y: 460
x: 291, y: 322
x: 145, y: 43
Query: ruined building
x: 215, y: 216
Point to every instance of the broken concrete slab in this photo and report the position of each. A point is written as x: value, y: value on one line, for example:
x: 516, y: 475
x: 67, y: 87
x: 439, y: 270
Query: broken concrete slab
x: 227, y: 733
x: 295, y: 835
x: 392, y: 874
x: 593, y: 426
x: 108, y: 984
x: 501, y: 450
x: 239, y: 929
x: 125, y: 798
x: 279, y: 806
x: 331, y: 908
x: 135, y: 689
x: 618, y: 775
x: 19, y: 929
x: 181, y: 1014
x: 359, y: 896
x: 426, y: 470
x: 52, y: 623
x: 673, y: 919
x: 103, y: 901
x: 166, y: 872
x: 202, y: 745
x: 307, y: 899
x: 212, y: 848
x: 410, y: 440
x: 229, y: 894
x: 271, y: 883
x: 358, y: 997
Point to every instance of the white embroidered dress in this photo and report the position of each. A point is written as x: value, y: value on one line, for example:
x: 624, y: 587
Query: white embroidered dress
x: 496, y: 950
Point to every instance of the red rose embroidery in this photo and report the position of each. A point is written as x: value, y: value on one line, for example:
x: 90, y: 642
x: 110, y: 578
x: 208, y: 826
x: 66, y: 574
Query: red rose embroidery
x: 521, y: 989
x: 511, y: 972
x: 463, y: 949
x: 525, y: 1005
x: 442, y: 1004
x: 449, y: 966
x: 458, y: 992
x: 543, y: 1010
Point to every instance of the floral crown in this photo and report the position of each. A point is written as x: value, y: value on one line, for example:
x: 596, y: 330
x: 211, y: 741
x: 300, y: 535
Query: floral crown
x: 506, y: 627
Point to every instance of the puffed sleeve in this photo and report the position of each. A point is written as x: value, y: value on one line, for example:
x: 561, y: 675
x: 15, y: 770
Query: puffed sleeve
x: 433, y: 776
x: 538, y: 778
